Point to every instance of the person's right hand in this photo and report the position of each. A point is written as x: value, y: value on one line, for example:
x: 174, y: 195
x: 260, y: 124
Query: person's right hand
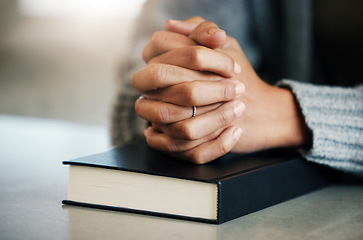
x: 273, y: 119
x: 168, y: 100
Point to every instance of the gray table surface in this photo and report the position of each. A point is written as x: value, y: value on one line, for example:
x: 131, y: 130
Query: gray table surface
x: 33, y: 182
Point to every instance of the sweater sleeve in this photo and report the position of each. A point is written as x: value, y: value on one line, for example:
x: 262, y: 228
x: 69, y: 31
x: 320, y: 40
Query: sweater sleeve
x: 335, y: 117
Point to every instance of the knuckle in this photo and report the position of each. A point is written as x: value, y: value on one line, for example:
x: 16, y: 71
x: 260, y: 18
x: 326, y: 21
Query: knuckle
x: 195, y: 157
x: 224, y: 148
x: 158, y: 73
x: 170, y: 146
x: 194, y: 55
x: 189, y: 93
x: 163, y: 114
x: 154, y: 45
x: 137, y: 81
x: 186, y: 132
x: 158, y: 38
x: 145, y: 55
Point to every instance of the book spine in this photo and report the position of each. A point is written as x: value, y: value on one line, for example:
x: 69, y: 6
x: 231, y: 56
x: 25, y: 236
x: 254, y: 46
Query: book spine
x: 259, y: 189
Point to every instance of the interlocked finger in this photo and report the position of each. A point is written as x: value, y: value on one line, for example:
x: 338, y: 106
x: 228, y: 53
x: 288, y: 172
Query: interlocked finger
x: 156, y: 75
x: 166, y: 113
x: 199, y: 93
x: 200, y: 58
x: 162, y: 42
x: 165, y: 143
x: 205, y: 124
x: 198, y: 151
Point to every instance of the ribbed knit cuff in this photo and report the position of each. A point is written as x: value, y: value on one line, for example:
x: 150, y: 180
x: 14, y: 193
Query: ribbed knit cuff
x: 335, y: 117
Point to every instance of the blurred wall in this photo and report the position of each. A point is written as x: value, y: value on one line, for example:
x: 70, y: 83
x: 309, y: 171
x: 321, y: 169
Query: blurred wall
x: 61, y: 67
x: 8, y: 16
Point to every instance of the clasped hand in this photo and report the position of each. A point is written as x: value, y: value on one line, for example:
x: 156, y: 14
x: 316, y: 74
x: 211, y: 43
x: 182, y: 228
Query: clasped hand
x: 194, y: 63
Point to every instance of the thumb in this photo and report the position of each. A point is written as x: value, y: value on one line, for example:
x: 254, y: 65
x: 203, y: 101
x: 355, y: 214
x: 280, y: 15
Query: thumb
x: 183, y: 27
x: 205, y: 33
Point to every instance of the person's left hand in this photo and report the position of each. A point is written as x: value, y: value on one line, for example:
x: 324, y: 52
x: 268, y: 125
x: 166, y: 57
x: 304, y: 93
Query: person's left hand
x: 168, y: 100
x: 217, y: 131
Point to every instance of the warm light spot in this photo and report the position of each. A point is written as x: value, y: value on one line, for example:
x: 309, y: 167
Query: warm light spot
x: 86, y: 9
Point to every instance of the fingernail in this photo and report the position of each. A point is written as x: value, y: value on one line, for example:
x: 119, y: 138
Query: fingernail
x: 237, y: 132
x: 213, y: 30
x: 240, y: 88
x: 237, y: 68
x: 238, y: 108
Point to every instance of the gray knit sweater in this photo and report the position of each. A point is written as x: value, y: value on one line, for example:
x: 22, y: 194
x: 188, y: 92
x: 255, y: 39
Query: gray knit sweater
x: 333, y: 114
x: 335, y: 117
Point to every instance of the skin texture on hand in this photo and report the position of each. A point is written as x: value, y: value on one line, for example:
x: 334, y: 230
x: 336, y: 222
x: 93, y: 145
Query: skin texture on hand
x: 212, y: 73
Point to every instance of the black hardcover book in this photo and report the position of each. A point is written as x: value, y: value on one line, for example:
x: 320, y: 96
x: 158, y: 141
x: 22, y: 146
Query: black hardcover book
x: 138, y: 179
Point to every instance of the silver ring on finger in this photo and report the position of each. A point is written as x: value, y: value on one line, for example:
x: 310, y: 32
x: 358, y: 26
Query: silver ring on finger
x: 194, y: 111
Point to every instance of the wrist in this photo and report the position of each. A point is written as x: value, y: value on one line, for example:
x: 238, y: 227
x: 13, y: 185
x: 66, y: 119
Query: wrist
x: 292, y: 128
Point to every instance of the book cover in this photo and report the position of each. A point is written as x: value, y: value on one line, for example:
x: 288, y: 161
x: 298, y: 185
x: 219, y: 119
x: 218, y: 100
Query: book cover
x: 138, y: 179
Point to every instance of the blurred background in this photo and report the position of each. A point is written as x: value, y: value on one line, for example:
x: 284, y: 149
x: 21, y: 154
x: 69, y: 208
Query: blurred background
x: 59, y: 59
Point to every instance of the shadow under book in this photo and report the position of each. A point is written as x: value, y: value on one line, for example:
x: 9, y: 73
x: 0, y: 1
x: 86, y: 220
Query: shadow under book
x: 138, y: 179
